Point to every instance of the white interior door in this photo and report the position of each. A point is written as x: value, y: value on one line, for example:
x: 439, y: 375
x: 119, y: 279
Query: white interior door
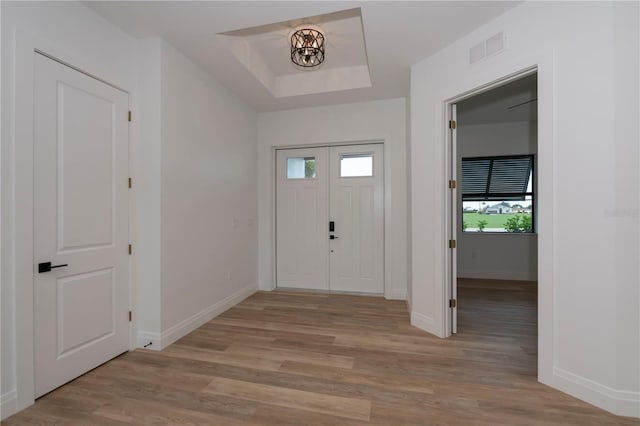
x: 329, y: 209
x: 302, y: 240
x: 356, y: 209
x: 80, y: 223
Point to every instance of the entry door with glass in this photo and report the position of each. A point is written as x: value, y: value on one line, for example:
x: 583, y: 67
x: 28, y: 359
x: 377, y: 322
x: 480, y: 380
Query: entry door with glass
x: 329, y: 208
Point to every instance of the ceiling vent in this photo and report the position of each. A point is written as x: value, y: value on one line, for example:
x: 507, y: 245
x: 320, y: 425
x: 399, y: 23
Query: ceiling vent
x: 486, y: 48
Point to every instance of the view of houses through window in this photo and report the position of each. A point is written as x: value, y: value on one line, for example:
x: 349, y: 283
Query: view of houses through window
x: 498, y: 216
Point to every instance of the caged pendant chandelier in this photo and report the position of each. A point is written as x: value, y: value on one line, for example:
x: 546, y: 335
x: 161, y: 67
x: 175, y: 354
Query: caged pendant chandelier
x: 307, y: 48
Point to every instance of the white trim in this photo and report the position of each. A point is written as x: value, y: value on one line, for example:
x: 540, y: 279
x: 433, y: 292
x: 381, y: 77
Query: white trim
x: 88, y: 74
x: 425, y: 323
x: 8, y: 404
x: 621, y: 403
x: 396, y: 294
x: 375, y: 141
x: 167, y: 337
x: 24, y: 57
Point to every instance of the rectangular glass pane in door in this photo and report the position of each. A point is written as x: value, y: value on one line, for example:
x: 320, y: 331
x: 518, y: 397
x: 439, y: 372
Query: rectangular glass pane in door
x: 301, y: 168
x: 356, y: 165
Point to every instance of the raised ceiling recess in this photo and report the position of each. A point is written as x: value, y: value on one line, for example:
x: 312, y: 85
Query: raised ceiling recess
x: 266, y: 52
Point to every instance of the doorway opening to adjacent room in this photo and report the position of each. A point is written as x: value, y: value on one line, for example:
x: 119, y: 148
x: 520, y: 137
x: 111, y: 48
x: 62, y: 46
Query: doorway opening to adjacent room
x: 330, y: 218
x: 492, y: 219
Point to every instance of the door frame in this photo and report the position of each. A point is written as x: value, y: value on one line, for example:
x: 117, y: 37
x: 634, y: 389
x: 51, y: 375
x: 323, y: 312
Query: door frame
x: 386, y: 213
x: 451, y: 216
x: 544, y: 70
x: 452, y: 225
x: 21, y: 268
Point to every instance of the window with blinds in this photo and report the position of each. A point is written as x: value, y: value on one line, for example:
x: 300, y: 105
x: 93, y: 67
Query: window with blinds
x: 496, y: 178
x: 497, y: 193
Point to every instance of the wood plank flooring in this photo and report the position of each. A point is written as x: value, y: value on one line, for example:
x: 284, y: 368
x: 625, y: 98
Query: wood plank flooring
x: 305, y: 358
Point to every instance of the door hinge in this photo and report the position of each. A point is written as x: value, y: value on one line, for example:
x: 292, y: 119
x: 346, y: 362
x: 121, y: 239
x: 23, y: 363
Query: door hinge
x: 452, y: 124
x: 129, y: 116
x: 130, y: 316
x: 452, y: 184
x: 453, y: 303
x: 452, y: 244
x: 130, y: 248
x: 130, y: 182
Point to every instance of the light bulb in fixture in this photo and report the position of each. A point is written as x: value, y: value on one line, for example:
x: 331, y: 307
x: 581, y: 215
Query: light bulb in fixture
x: 307, y: 48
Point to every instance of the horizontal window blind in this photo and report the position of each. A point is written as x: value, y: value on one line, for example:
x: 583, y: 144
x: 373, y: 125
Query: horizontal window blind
x: 496, y: 178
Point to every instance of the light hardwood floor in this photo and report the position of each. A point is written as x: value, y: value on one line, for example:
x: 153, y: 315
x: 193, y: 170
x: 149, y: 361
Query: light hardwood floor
x: 299, y: 358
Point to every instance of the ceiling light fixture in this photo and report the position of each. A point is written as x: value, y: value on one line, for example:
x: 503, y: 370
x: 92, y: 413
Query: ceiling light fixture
x: 307, y: 48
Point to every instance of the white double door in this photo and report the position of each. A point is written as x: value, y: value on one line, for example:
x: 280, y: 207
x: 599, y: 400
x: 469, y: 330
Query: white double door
x: 329, y: 209
x: 81, y: 268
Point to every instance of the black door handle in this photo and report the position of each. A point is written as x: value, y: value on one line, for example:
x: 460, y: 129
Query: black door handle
x: 46, y: 267
x: 333, y: 237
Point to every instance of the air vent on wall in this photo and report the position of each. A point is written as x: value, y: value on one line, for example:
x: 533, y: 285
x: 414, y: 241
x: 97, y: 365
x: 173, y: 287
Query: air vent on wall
x: 488, y: 47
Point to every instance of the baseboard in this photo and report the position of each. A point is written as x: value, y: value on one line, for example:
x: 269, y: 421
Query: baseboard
x: 8, y: 404
x: 425, y: 323
x: 160, y: 341
x: 396, y: 295
x: 498, y: 275
x: 621, y: 403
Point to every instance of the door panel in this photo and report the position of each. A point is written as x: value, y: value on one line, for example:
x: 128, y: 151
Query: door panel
x: 85, y: 171
x: 83, y: 323
x: 81, y: 221
x: 302, y: 217
x: 356, y: 207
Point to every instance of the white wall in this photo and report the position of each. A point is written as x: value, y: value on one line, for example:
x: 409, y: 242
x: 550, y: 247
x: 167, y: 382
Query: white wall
x: 195, y: 200
x: 188, y: 133
x: 102, y: 50
x: 587, y: 57
x: 7, y: 290
x: 370, y: 121
x: 209, y: 196
x: 408, y: 209
x: 146, y: 191
x: 503, y: 256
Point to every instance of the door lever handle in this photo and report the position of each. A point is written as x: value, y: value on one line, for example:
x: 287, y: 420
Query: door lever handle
x: 333, y: 237
x: 46, y: 266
